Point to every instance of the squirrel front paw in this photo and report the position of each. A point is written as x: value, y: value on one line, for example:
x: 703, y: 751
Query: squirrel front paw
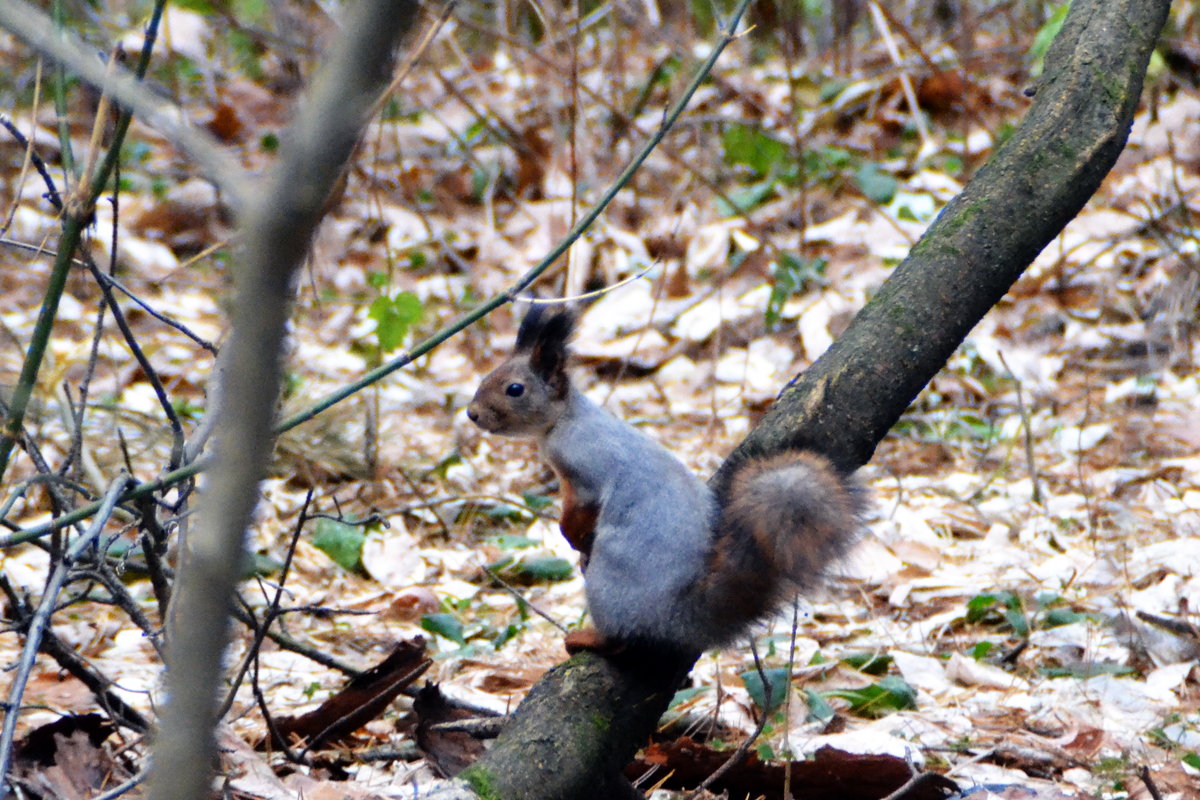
x: 591, y: 639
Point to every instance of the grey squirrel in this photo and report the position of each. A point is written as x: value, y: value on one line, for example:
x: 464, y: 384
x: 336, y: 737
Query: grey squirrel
x: 666, y: 563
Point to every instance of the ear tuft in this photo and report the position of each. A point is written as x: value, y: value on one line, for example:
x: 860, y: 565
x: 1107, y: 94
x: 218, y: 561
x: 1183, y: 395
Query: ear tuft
x: 544, y: 325
x: 543, y: 336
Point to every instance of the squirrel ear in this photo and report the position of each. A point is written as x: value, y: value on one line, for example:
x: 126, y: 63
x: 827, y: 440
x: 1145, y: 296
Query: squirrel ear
x: 544, y: 336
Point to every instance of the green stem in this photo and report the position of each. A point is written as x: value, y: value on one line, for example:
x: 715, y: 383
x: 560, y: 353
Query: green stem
x: 136, y: 493
x: 72, y: 232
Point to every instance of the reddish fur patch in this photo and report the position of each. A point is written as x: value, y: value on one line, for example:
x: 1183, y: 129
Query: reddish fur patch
x: 578, y: 523
x: 591, y: 639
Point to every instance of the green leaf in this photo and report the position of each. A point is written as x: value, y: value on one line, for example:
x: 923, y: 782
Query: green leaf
x: 1045, y: 599
x: 1045, y: 36
x: 981, y: 650
x: 830, y: 89
x: 979, y: 605
x: 790, y: 275
x: 532, y: 569
x: 819, y: 709
x: 999, y: 608
x: 1089, y: 669
x: 341, y: 542
x: 408, y: 307
x: 393, y: 318
x: 500, y: 564
x: 536, y: 502
x: 778, y: 679
x: 1015, y: 616
x: 482, y: 178
x: 445, y: 625
x: 1192, y: 760
x: 1062, y: 616
x: 440, y: 469
x: 875, y: 184
x: 505, y: 635
x: 824, y: 164
x: 871, y: 663
x: 261, y: 565
x: 546, y: 568
x: 247, y: 51
x: 255, y: 12
x: 753, y: 148
x: 507, y: 511
x: 684, y: 695
x: 509, y: 542
x: 892, y: 693
x: 739, y: 201
x: 389, y: 330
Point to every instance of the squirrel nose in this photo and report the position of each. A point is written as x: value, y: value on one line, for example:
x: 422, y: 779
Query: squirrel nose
x: 472, y: 414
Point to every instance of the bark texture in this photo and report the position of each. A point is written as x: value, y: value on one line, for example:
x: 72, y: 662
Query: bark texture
x: 569, y: 738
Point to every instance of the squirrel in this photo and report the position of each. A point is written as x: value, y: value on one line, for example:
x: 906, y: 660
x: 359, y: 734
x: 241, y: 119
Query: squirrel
x: 667, y: 562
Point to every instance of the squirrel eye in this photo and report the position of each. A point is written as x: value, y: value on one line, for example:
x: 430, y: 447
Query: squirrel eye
x: 515, y: 389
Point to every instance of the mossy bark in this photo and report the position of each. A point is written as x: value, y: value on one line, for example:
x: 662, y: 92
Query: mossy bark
x: 579, y: 726
x: 574, y: 732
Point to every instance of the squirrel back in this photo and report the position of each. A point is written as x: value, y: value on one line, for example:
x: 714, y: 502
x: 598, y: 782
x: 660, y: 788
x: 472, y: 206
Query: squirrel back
x: 666, y: 563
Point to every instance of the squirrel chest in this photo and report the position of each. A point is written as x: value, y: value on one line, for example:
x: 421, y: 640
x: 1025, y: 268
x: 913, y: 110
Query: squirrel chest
x: 640, y: 519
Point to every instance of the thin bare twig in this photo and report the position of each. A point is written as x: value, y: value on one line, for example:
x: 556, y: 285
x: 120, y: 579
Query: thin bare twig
x: 40, y: 620
x: 76, y: 217
x: 113, y: 282
x: 38, y: 163
x: 123, y: 788
x: 243, y: 615
x: 139, y: 355
x: 1148, y: 782
x: 1027, y: 424
x: 75, y: 665
x: 272, y: 613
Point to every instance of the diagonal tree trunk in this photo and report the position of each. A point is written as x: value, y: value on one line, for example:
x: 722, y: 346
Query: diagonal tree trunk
x: 585, y: 718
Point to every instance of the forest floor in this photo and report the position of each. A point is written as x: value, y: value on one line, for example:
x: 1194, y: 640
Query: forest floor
x: 1021, y: 608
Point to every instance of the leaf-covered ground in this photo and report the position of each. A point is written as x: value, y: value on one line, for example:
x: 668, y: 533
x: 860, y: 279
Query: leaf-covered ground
x: 1020, y: 610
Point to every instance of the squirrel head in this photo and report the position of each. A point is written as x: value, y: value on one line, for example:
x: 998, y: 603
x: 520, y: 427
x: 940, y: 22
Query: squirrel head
x: 526, y: 395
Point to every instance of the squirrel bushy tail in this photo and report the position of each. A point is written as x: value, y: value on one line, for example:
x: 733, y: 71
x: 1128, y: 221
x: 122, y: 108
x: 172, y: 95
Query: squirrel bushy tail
x: 783, y: 521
